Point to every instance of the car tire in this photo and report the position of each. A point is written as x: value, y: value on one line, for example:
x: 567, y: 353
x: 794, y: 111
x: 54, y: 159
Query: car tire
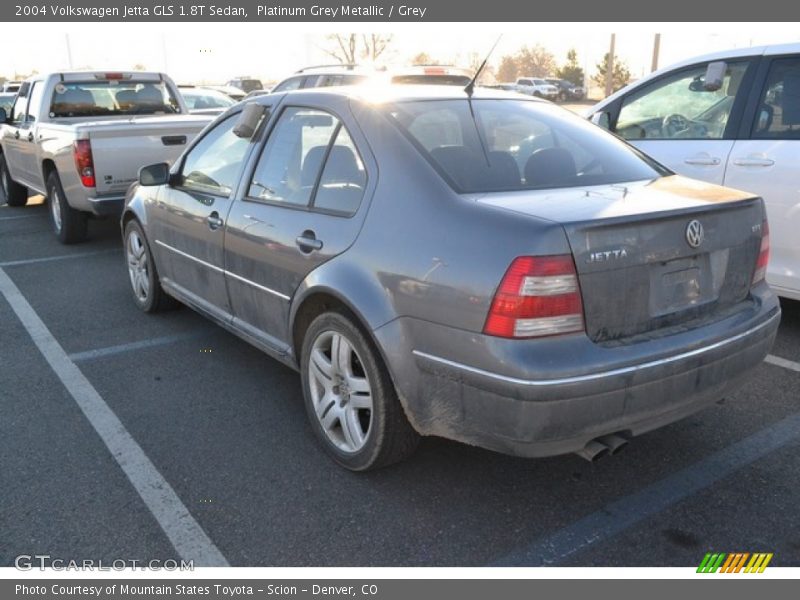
x: 537, y: 94
x: 15, y: 194
x: 146, y: 288
x: 350, y: 398
x: 69, y: 225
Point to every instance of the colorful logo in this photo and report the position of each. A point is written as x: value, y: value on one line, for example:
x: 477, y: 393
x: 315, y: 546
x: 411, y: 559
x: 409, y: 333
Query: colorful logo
x: 735, y: 562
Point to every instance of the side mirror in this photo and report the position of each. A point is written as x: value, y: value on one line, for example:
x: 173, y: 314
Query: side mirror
x: 157, y: 174
x: 715, y: 76
x: 248, y: 121
x: 3, y: 116
x: 601, y: 119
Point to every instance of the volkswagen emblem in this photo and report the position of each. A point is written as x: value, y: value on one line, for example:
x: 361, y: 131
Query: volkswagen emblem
x: 695, y: 233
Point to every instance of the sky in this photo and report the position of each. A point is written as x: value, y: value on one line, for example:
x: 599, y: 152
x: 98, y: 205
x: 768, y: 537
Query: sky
x: 216, y: 52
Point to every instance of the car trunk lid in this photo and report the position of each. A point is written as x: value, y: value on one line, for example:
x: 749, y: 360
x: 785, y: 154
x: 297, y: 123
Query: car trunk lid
x: 652, y: 255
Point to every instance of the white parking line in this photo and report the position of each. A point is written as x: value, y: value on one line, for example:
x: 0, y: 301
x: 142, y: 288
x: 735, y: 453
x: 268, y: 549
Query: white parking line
x: 185, y: 534
x: 782, y: 362
x: 30, y: 261
x: 617, y: 516
x: 130, y: 346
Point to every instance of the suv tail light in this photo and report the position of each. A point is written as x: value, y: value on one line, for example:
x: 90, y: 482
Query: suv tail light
x: 763, y: 255
x: 538, y: 296
x: 82, y: 151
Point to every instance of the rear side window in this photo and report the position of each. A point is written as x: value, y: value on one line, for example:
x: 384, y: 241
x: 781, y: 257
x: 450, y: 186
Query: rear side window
x: 310, y: 161
x: 212, y: 166
x: 113, y: 97
x: 504, y: 145
x: 778, y: 114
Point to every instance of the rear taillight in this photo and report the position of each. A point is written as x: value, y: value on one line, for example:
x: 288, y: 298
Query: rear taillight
x: 538, y: 296
x: 82, y: 151
x: 763, y: 255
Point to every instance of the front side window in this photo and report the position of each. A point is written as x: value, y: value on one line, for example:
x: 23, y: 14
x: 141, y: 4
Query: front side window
x: 310, y: 160
x: 679, y: 107
x: 213, y: 165
x: 112, y: 98
x: 500, y: 145
x: 778, y: 113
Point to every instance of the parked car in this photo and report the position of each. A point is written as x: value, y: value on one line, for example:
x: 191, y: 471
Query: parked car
x: 79, y: 138
x: 533, y: 86
x: 582, y: 294
x: 205, y: 101
x: 730, y: 118
x: 431, y: 75
x: 246, y: 84
x: 567, y: 90
x: 324, y: 76
x: 508, y: 87
x: 235, y: 93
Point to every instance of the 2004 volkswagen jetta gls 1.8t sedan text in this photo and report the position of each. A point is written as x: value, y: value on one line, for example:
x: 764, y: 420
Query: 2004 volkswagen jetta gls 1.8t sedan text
x: 486, y: 268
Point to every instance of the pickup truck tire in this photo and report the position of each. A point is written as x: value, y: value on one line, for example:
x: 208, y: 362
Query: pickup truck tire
x: 145, y: 283
x: 69, y: 225
x: 16, y: 194
x: 350, y: 398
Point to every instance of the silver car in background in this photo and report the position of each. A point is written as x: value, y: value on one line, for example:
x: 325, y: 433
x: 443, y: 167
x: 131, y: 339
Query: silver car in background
x: 483, y: 267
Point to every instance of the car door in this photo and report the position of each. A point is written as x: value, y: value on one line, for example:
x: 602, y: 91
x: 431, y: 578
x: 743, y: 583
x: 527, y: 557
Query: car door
x: 299, y: 209
x: 187, y: 221
x: 683, y: 125
x: 13, y: 134
x: 30, y: 169
x: 766, y: 161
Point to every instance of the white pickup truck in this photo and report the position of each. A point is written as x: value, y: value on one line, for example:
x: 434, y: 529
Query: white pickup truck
x: 80, y: 138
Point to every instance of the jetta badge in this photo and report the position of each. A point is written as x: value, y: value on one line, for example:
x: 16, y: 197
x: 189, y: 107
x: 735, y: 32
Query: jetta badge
x: 695, y: 233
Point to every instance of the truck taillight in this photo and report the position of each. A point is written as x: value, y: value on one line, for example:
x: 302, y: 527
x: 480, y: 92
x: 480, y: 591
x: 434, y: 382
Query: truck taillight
x: 538, y: 296
x: 763, y: 255
x: 82, y: 151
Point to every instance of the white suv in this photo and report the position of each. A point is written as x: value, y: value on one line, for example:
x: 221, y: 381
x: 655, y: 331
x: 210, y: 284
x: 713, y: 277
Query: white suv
x: 534, y: 86
x: 731, y: 118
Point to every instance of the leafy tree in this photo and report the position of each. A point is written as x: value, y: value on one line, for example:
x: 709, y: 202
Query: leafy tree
x: 508, y: 69
x: 571, y: 71
x: 620, y: 76
x: 423, y: 58
x: 535, y: 61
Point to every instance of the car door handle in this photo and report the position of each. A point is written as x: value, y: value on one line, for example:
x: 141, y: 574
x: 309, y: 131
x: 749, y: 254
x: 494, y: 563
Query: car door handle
x: 214, y: 222
x: 16, y: 134
x: 308, y: 242
x: 753, y: 162
x: 706, y: 161
x: 30, y: 137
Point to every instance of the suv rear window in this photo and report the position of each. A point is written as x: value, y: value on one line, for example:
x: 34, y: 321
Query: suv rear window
x: 503, y: 145
x: 113, y: 97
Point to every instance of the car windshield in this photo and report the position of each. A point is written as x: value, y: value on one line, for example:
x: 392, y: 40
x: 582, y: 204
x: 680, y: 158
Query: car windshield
x: 517, y: 145
x: 199, y: 99
x: 112, y: 97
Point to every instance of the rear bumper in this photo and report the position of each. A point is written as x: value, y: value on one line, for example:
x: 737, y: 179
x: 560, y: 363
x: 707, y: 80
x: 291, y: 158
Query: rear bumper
x: 106, y: 205
x: 545, y: 416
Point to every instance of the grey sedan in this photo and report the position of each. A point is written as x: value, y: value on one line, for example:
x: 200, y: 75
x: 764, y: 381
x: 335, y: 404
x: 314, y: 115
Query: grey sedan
x: 483, y: 267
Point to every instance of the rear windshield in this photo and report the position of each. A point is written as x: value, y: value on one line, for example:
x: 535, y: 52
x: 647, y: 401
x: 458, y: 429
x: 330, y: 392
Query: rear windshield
x: 103, y: 98
x: 517, y: 145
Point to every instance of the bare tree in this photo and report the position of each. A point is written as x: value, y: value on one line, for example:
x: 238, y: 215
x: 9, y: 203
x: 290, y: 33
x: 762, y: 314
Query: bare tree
x: 423, y: 58
x: 345, y: 47
x: 508, y: 69
x: 536, y: 61
x: 375, y: 45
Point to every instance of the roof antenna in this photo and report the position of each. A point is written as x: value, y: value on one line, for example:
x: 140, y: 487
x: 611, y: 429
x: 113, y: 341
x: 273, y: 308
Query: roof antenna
x: 471, y: 85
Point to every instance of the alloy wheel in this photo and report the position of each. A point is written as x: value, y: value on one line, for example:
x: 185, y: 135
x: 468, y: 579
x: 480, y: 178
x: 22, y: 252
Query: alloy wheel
x: 138, y: 268
x: 340, y: 391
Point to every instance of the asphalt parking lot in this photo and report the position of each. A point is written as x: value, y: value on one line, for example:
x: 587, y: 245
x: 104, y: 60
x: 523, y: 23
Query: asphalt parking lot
x: 225, y: 427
